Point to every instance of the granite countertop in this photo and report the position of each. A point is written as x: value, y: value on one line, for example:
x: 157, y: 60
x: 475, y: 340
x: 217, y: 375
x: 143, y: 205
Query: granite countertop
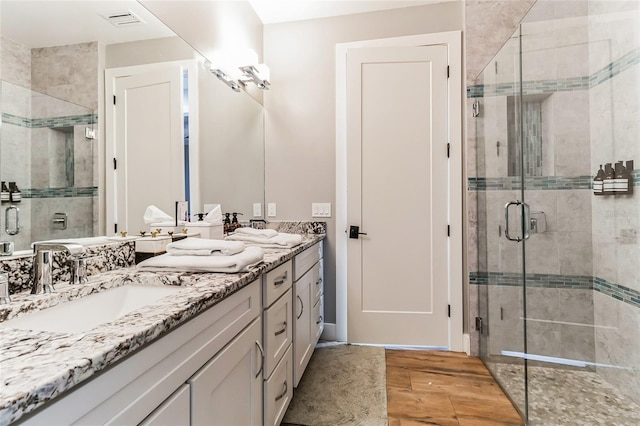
x: 37, y: 366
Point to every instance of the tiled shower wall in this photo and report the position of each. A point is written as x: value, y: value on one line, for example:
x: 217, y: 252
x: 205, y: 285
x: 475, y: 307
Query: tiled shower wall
x: 614, y: 56
x: 34, y: 125
x: 581, y: 61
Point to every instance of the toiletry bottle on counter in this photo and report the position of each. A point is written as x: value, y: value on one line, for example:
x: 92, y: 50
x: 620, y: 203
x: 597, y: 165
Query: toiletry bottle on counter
x: 609, y: 176
x: 598, y: 183
x: 227, y: 222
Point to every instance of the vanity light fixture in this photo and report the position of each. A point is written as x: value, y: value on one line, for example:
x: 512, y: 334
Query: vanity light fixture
x: 258, y: 74
x: 222, y: 76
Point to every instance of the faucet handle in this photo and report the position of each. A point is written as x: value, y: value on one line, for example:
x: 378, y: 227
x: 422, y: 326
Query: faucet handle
x: 78, y: 266
x: 4, y: 288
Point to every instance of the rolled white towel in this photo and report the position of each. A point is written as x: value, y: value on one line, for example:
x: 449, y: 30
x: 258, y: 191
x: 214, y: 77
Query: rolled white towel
x: 240, y: 262
x: 267, y: 233
x: 204, y: 247
x: 282, y: 240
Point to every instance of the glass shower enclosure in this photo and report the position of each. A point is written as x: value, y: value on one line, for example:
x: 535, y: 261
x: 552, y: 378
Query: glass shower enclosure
x: 559, y: 259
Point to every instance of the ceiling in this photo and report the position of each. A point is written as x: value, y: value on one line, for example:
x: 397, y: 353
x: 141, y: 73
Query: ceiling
x: 274, y: 11
x: 45, y: 23
x: 56, y: 23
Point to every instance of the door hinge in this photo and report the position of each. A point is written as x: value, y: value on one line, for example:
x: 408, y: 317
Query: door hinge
x: 448, y: 150
x: 115, y: 164
x: 479, y: 325
x: 115, y: 227
x: 449, y: 311
x: 114, y: 99
x: 448, y: 230
x: 448, y: 71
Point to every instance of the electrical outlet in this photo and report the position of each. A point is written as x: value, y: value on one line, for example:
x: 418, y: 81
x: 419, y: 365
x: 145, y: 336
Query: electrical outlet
x: 271, y: 209
x: 257, y: 210
x: 321, y: 210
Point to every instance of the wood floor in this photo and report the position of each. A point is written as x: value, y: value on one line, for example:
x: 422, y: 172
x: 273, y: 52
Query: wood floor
x: 444, y: 388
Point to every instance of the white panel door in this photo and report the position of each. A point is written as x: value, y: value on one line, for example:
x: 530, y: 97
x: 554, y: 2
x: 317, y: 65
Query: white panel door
x: 397, y: 178
x: 149, y: 145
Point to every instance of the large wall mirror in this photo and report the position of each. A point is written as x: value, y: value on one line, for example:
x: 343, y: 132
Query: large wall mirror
x: 52, y: 141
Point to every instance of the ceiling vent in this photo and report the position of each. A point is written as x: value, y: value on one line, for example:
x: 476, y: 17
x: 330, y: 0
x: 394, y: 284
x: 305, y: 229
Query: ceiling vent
x: 122, y: 18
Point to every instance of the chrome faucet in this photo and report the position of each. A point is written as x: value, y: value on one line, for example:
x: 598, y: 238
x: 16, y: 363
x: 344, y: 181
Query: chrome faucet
x: 43, y: 263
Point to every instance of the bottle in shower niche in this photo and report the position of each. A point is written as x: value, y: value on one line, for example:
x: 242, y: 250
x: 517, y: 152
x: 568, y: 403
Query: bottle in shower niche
x: 607, y: 181
x: 598, y: 182
x: 5, y: 195
x: 14, y: 193
x: 621, y: 180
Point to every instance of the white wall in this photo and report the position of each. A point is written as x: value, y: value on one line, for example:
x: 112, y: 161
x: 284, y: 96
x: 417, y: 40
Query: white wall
x: 300, y: 107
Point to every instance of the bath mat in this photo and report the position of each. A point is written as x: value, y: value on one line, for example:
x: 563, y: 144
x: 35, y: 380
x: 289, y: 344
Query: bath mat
x: 342, y: 385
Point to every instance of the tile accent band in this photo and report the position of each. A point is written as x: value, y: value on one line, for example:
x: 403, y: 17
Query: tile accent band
x: 51, y: 122
x: 581, y: 282
x: 80, y: 191
x: 537, y: 182
x: 531, y: 87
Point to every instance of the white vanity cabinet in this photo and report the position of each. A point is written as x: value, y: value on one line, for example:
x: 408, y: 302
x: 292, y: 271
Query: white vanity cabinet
x: 141, y: 387
x: 228, y: 389
x: 277, y: 337
x: 308, y: 305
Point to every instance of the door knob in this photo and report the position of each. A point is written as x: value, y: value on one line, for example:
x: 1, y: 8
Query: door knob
x: 354, y: 232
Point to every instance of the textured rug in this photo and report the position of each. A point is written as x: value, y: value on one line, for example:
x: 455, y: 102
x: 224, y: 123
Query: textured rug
x: 342, y: 385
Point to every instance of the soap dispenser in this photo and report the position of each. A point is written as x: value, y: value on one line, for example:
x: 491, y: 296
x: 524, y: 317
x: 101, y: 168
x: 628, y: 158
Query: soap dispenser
x: 5, y: 194
x: 609, y: 176
x: 621, y: 180
x: 226, y: 222
x: 14, y: 193
x: 598, y: 188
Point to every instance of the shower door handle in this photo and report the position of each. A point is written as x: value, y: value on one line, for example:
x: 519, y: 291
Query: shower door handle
x: 506, y: 221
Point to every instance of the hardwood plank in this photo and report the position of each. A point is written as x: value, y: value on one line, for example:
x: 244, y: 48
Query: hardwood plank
x: 398, y: 378
x: 422, y: 407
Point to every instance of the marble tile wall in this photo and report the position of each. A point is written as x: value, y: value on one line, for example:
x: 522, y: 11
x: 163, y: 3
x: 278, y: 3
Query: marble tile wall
x: 43, y: 147
x: 614, y: 100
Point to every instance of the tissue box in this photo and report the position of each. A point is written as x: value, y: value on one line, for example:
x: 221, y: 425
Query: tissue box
x: 147, y: 247
x: 206, y: 230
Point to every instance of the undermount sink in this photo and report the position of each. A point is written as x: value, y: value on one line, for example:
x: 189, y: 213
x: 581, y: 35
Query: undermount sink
x: 88, y: 312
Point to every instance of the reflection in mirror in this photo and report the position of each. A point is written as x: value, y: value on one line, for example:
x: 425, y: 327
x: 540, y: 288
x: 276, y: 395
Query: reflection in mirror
x: 52, y: 97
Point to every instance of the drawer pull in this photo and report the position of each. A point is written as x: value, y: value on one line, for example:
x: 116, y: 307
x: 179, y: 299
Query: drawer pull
x: 282, y: 279
x: 301, y: 310
x: 284, y: 392
x: 284, y: 328
x: 319, y: 320
x: 261, y: 358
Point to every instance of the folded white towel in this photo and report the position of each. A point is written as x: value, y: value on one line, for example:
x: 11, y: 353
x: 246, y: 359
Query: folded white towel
x: 259, y: 232
x: 279, y: 241
x: 204, y: 247
x: 240, y: 262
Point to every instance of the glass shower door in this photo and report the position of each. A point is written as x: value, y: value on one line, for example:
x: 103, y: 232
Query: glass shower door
x: 501, y: 232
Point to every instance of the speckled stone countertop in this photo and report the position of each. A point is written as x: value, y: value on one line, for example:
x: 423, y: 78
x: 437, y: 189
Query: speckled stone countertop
x: 37, y: 366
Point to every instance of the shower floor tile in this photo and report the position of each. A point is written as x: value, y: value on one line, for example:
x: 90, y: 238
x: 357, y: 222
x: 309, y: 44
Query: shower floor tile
x: 560, y: 396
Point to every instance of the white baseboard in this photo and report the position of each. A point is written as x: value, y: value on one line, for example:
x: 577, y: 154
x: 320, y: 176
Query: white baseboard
x: 329, y: 332
x: 466, y: 342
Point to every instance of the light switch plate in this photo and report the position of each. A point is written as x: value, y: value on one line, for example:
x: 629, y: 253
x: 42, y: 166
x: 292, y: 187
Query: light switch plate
x: 321, y: 210
x: 257, y: 209
x: 271, y: 209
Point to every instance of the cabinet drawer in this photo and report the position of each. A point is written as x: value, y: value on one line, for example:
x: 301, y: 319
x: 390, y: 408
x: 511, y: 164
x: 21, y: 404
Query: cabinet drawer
x: 278, y: 390
x: 317, y: 320
x: 305, y: 260
x: 275, y: 283
x: 278, y: 331
x: 318, y: 282
x: 174, y: 411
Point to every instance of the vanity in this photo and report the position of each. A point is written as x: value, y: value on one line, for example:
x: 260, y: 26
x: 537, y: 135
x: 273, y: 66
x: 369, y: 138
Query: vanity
x: 224, y: 349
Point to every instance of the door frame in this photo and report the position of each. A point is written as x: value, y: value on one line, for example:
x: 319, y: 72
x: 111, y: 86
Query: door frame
x: 110, y: 77
x: 453, y: 41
